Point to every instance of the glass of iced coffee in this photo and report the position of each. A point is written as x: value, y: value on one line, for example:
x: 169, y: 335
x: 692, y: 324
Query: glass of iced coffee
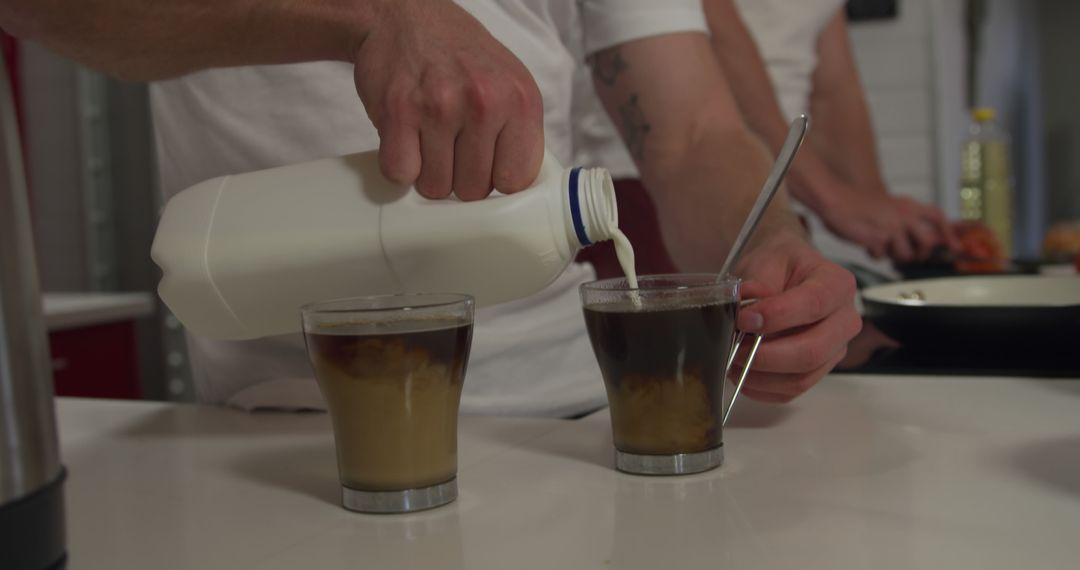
x: 665, y: 349
x: 391, y: 370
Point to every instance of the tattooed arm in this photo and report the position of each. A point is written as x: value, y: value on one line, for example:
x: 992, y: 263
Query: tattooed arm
x: 701, y: 163
x: 703, y: 169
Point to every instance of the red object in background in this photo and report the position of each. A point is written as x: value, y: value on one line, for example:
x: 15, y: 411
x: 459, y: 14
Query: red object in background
x: 639, y: 221
x: 982, y: 250
x: 98, y: 361
x: 9, y: 45
x: 11, y: 61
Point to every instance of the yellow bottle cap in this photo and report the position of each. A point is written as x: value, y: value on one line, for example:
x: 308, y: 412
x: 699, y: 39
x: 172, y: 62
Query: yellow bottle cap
x: 982, y: 114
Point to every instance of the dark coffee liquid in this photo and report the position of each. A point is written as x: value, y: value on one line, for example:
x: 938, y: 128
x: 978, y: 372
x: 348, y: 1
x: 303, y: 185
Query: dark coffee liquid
x: 664, y: 373
x: 393, y: 398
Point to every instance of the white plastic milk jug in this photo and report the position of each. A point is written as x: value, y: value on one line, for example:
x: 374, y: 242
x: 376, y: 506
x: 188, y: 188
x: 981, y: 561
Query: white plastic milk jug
x: 241, y: 254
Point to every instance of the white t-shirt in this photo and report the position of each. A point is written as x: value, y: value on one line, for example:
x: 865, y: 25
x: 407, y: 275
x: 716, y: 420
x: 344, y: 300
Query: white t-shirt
x: 786, y: 34
x: 528, y: 357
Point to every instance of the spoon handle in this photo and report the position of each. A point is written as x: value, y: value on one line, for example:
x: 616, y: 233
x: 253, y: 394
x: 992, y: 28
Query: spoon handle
x: 794, y: 140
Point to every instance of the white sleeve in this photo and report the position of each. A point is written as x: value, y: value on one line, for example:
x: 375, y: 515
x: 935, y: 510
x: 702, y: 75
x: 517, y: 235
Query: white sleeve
x: 608, y: 23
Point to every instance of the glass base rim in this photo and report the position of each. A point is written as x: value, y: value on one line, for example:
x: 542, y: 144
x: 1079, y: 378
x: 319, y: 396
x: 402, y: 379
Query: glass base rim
x: 404, y: 501
x: 673, y: 464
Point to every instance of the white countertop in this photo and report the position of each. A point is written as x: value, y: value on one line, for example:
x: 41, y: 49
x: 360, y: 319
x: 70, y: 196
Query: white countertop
x: 862, y: 472
x: 75, y: 310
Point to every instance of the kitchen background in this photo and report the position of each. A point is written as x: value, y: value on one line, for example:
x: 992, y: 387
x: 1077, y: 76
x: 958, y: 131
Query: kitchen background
x: 924, y: 63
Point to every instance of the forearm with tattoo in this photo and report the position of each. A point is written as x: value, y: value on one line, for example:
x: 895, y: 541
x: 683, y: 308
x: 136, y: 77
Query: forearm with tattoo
x: 700, y: 163
x: 607, y: 67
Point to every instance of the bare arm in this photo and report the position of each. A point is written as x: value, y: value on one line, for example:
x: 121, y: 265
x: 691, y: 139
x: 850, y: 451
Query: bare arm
x: 837, y: 174
x: 455, y: 110
x: 843, y: 133
x: 698, y: 159
x: 844, y: 137
x: 703, y: 168
x: 152, y: 39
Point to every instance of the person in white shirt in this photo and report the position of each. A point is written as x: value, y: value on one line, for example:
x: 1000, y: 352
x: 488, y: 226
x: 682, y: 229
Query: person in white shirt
x: 805, y: 48
x: 460, y: 98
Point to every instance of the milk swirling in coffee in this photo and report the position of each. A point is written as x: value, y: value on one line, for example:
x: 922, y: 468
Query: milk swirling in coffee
x: 393, y: 390
x: 664, y: 369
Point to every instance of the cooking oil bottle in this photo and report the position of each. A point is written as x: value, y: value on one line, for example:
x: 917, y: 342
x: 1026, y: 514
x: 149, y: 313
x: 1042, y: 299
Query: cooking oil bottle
x: 985, y: 178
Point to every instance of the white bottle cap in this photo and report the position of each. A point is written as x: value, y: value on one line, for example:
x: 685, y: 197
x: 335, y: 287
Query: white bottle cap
x: 593, y: 211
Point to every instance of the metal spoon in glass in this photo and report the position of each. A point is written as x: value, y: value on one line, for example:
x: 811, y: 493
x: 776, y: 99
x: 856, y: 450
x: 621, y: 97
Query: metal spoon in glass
x: 794, y: 140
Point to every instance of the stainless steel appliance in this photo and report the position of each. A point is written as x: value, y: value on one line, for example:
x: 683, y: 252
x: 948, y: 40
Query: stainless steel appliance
x: 31, y: 476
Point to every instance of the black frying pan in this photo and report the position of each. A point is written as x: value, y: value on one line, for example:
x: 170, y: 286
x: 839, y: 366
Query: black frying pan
x: 980, y: 312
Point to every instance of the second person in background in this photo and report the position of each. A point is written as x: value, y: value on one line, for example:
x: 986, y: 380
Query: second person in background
x: 783, y: 58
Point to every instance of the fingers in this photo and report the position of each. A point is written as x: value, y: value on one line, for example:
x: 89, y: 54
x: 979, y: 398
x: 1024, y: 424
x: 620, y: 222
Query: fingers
x: 923, y: 227
x: 926, y: 226
x: 782, y: 388
x: 807, y: 325
x: 457, y: 112
x: 924, y: 236
x: 399, y: 152
x: 900, y: 248
x: 868, y: 232
x: 809, y: 348
x: 437, y: 162
x: 519, y: 151
x: 753, y: 289
x: 943, y: 227
x: 826, y: 289
x: 766, y: 397
x: 874, y: 238
x: 474, y: 155
x: 470, y: 143
x: 417, y: 130
x: 876, y: 246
